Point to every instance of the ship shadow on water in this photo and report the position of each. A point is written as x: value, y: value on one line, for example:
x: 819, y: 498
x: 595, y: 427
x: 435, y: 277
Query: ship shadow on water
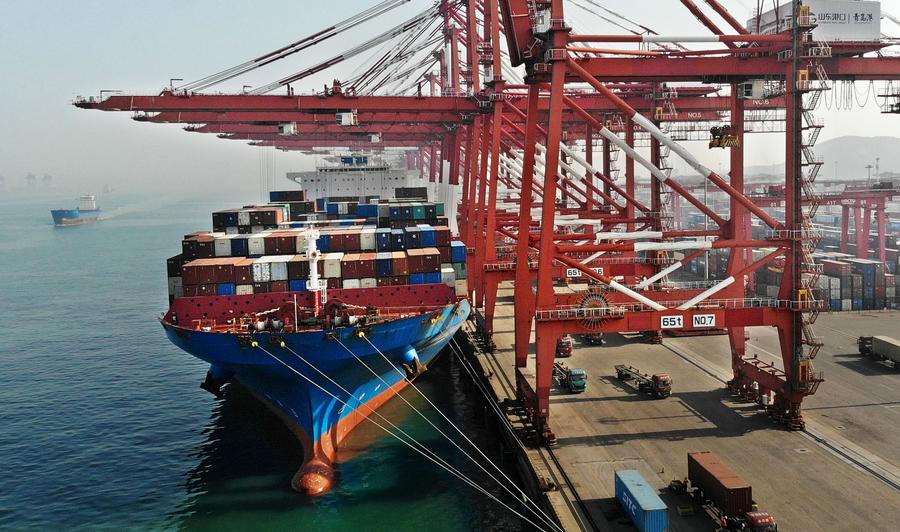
x: 245, y: 464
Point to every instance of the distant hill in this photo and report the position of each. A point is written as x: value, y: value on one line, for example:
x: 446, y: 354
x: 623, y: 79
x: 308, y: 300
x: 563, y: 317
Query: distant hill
x: 852, y: 155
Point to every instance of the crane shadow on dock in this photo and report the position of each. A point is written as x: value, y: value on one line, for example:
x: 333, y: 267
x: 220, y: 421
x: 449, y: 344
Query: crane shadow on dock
x: 720, y: 415
x: 864, y: 365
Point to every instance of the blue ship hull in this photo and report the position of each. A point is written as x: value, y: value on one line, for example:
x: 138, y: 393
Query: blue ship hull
x: 322, y: 417
x: 63, y: 217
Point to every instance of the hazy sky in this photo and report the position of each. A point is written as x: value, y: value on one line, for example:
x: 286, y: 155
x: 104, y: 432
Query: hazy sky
x: 52, y: 51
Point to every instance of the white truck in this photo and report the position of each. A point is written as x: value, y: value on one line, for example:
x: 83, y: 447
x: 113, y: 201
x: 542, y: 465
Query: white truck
x: 880, y: 348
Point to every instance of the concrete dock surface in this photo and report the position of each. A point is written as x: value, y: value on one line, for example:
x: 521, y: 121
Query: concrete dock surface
x: 806, y: 484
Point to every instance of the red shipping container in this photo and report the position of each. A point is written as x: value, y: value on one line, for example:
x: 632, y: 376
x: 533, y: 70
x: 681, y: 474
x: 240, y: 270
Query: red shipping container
x: 298, y: 268
x: 729, y: 492
x: 243, y: 271
x: 336, y: 241
x: 260, y: 288
x: 366, y: 265
x: 224, y: 271
x: 350, y: 266
x: 446, y: 254
x: 206, y: 290
x: 431, y: 260
x: 384, y: 281
x: 836, y: 268
x: 190, y: 290
x: 334, y: 283
x: 201, y: 271
x: 352, y: 240
x: 190, y: 273
x: 270, y: 243
x: 415, y: 261
x: 278, y: 286
x: 442, y: 236
x: 285, y: 243
x: 400, y: 263
x: 400, y: 280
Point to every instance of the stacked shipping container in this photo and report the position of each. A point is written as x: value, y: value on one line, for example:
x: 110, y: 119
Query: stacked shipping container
x: 253, y: 250
x: 846, y: 283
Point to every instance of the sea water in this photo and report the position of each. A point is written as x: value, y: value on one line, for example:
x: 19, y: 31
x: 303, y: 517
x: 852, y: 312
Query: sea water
x: 103, y: 425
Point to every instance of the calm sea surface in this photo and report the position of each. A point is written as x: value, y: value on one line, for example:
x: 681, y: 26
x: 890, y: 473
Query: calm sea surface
x: 103, y: 425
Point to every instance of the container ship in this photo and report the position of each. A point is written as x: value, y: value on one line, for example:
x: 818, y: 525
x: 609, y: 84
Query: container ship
x: 87, y: 212
x: 323, y: 309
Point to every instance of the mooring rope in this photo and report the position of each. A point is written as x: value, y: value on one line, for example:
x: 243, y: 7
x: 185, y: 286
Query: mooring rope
x: 418, y: 447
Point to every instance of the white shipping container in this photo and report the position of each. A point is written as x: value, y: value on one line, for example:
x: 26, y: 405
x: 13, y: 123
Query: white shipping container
x: 176, y: 287
x: 262, y: 273
x: 332, y: 265
x: 302, y: 241
x: 222, y: 246
x: 243, y: 218
x: 257, y: 229
x: 461, y: 288
x: 368, y: 282
x: 351, y: 283
x: 459, y: 269
x: 367, y: 240
x: 278, y: 270
x: 448, y: 276
x: 244, y: 289
x: 256, y: 245
x: 846, y: 305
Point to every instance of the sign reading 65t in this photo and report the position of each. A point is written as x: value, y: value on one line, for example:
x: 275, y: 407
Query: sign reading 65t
x: 671, y: 322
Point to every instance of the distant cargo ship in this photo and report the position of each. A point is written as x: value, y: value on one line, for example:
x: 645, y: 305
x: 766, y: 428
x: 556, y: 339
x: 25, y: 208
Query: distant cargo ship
x: 324, y: 309
x: 87, y: 212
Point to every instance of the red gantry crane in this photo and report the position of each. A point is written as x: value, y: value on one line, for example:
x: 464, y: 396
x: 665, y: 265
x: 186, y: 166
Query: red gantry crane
x: 536, y: 206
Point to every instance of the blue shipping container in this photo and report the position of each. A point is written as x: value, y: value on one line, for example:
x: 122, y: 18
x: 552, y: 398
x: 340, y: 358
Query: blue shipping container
x: 395, y: 213
x: 419, y: 278
x: 432, y: 278
x: 641, y: 502
x: 457, y: 251
x: 429, y: 236
x: 239, y: 247
x: 367, y: 210
x: 398, y: 240
x: 836, y: 304
x: 413, y: 237
x: 384, y: 265
x: 322, y: 242
x: 298, y: 285
x: 331, y: 208
x: 225, y: 289
x: 383, y: 239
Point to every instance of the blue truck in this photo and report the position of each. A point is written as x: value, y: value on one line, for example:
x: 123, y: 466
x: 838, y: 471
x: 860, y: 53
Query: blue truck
x: 641, y: 502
